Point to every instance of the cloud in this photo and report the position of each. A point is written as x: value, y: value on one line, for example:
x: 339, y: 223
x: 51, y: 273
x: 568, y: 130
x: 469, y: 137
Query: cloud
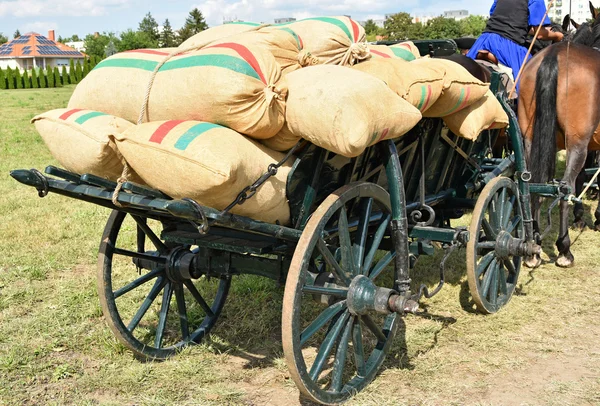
x: 41, y: 27
x: 35, y: 8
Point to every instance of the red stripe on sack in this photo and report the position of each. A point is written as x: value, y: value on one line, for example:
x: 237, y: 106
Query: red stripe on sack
x: 162, y: 131
x: 301, y: 42
x: 69, y: 113
x: 380, y: 54
x: 354, y: 29
x: 383, y: 134
x: 147, y: 51
x: 245, y: 54
x: 462, y: 105
x: 428, y: 97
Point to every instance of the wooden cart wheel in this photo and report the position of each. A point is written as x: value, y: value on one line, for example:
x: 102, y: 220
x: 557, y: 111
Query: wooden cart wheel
x: 497, y: 220
x: 149, y: 311
x: 331, y: 352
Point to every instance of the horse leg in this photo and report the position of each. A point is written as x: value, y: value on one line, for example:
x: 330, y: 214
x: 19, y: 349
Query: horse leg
x: 578, y: 222
x: 536, y: 203
x: 575, y: 162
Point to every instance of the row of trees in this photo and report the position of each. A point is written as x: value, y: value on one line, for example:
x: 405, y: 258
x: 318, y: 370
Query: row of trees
x: 400, y: 26
x: 14, y: 79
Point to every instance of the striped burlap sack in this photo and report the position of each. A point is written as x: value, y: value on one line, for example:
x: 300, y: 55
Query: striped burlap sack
x: 208, y: 163
x: 283, y: 43
x: 420, y: 87
x: 344, y: 110
x: 408, y: 46
x: 461, y: 89
x: 333, y: 40
x: 80, y: 140
x: 216, y: 33
x: 383, y: 51
x: 485, y: 114
x: 236, y: 86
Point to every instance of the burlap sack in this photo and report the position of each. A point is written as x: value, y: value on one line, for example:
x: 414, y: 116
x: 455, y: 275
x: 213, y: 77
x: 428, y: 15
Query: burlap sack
x: 79, y: 140
x: 333, y: 40
x: 218, y: 32
x: 284, y: 140
x: 383, y: 51
x: 420, y: 87
x: 236, y: 86
x: 208, y: 163
x: 485, y: 114
x: 344, y: 110
x: 282, y: 43
x: 409, y: 46
x: 461, y: 89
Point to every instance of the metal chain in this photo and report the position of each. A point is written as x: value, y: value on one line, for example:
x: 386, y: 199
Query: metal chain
x: 250, y: 191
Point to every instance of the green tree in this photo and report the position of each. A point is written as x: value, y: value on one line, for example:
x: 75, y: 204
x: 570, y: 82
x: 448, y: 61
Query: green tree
x: 96, y: 45
x: 417, y: 31
x: 10, y: 79
x: 110, y: 50
x: 50, y: 78
x: 62, y: 40
x: 149, y: 26
x: 2, y: 79
x: 75, y: 37
x: 26, y: 80
x: 43, y: 79
x: 35, y: 83
x: 371, y: 27
x: 194, y: 23
x: 17, y: 34
x: 57, y: 78
x: 167, y: 37
x: 398, y: 26
x: 441, y: 27
x: 78, y: 72
x: 135, y: 40
x: 472, y: 25
x: 18, y: 79
x: 3, y: 38
x: 64, y: 76
x: 86, y: 67
x: 72, y: 77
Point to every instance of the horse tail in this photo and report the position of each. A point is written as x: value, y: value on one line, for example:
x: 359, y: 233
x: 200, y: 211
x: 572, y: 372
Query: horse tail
x: 543, y: 147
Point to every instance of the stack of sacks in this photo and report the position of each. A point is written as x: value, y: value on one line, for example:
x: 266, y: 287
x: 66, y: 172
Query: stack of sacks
x: 283, y: 43
x: 405, y: 52
x: 342, y: 110
x: 420, y: 87
x: 208, y: 163
x: 409, y: 46
x: 219, y: 32
x: 81, y: 140
x: 461, y: 89
x: 236, y: 86
x: 332, y: 40
x: 485, y: 114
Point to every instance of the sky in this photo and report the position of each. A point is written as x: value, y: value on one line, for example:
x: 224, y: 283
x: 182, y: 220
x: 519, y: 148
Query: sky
x: 82, y: 17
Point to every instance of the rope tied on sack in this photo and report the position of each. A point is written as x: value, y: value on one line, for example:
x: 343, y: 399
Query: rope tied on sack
x: 305, y: 58
x: 358, y: 51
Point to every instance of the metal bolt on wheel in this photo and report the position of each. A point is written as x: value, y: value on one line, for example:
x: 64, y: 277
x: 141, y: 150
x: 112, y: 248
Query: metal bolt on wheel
x: 333, y: 346
x: 151, y: 312
x: 496, y: 227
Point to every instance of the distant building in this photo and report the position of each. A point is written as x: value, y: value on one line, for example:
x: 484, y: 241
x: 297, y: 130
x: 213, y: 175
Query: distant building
x: 423, y: 19
x: 76, y: 45
x: 33, y: 50
x: 284, y: 20
x: 379, y: 23
x: 232, y: 20
x: 456, y: 14
x: 579, y: 10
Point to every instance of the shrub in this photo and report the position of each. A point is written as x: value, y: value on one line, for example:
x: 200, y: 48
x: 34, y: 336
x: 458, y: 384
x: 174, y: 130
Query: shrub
x: 34, y: 79
x: 72, y: 77
x: 57, y: 78
x: 18, y: 79
x: 26, y: 81
x: 2, y: 79
x: 50, y: 77
x: 78, y: 72
x: 10, y: 78
x: 64, y: 76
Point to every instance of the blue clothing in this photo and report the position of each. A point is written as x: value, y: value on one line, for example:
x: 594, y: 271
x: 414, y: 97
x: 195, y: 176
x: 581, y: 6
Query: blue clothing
x: 507, y: 51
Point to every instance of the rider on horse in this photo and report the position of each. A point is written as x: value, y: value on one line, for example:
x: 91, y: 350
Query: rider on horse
x: 503, y: 40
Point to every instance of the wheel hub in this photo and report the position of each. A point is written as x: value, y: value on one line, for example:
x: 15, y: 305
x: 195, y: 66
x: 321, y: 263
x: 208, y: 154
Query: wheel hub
x: 507, y: 246
x: 179, y: 264
x: 364, y: 296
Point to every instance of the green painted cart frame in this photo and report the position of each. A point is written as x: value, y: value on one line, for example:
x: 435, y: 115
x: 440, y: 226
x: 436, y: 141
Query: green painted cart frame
x: 358, y: 226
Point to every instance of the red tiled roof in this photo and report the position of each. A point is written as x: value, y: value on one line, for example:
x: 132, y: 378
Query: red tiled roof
x: 33, y: 44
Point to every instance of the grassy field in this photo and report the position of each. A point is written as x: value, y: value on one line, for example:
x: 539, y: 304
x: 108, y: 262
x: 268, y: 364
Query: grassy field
x: 55, y: 348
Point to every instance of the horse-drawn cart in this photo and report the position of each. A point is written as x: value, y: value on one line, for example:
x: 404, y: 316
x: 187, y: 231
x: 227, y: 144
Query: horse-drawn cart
x: 358, y: 226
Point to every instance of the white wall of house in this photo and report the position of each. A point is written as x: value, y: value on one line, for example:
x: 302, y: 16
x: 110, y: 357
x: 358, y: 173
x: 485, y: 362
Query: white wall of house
x: 9, y: 63
x: 40, y: 63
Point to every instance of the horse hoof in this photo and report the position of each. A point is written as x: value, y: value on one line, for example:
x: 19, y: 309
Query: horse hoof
x: 533, y: 262
x: 597, y: 227
x: 564, y: 262
x: 579, y: 225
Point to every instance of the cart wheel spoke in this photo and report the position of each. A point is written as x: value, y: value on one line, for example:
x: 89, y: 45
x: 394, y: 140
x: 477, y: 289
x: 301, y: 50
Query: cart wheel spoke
x: 493, y: 285
x: 488, y: 276
x: 510, y: 267
x: 158, y: 285
x: 141, y: 238
x: 486, y: 245
x: 182, y: 311
x: 327, y: 346
x: 382, y: 264
x: 513, y: 224
x: 346, y: 243
x: 164, y: 312
x: 502, y: 279
x: 140, y: 255
x: 207, y: 310
x: 340, y: 357
x: 336, y: 269
x: 325, y: 317
x: 484, y: 264
x: 137, y: 283
x: 359, y: 350
x: 488, y: 230
x: 160, y: 246
x: 506, y: 217
x: 361, y: 234
x: 500, y: 209
x: 375, y: 244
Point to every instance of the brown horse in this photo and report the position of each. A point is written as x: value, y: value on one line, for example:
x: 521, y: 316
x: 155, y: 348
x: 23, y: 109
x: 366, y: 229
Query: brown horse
x: 558, y: 108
